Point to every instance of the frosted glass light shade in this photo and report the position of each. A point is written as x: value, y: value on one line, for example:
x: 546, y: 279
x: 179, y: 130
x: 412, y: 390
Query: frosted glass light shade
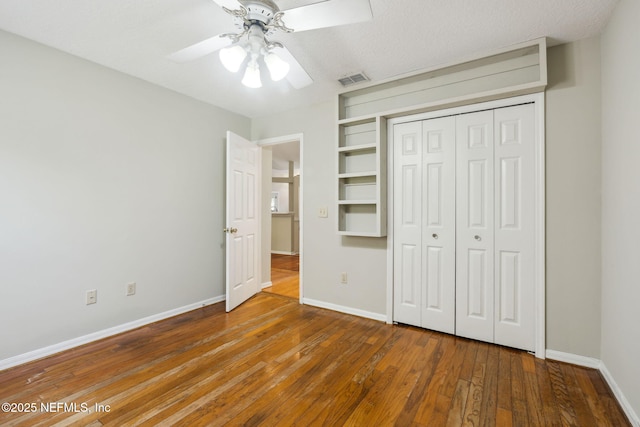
x: 252, y: 76
x: 277, y: 67
x: 232, y: 57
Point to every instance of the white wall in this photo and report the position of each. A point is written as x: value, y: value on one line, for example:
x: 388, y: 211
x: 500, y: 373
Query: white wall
x: 104, y: 180
x: 573, y: 150
x: 325, y: 254
x: 621, y: 200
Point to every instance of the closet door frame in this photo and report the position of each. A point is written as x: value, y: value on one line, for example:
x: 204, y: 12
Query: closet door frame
x: 538, y: 99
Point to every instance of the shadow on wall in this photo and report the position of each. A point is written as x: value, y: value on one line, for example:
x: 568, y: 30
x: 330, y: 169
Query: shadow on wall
x: 364, y: 242
x: 561, y: 66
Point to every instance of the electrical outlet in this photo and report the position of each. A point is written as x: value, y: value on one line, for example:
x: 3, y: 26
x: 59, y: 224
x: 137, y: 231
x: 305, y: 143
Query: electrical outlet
x: 92, y: 296
x: 323, y: 212
x: 343, y: 278
x: 131, y: 289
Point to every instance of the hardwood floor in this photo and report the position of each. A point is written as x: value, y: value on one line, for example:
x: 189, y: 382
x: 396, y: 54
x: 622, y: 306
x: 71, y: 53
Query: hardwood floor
x: 285, y: 275
x: 275, y: 362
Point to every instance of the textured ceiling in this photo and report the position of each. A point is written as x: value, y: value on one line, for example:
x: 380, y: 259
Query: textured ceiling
x: 135, y: 37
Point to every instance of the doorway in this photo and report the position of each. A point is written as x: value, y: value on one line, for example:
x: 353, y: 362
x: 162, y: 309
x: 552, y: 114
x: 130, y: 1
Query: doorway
x: 285, y: 275
x: 282, y: 210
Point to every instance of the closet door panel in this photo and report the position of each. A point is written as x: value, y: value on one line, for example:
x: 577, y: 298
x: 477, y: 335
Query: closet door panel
x: 407, y: 251
x: 514, y: 226
x: 438, y: 226
x: 464, y: 225
x: 475, y: 226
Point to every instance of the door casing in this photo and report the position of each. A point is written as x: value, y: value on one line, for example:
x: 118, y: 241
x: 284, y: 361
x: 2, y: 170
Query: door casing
x: 262, y: 143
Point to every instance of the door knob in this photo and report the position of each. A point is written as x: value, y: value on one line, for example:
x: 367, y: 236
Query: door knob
x: 478, y: 238
x: 231, y: 230
x: 435, y: 236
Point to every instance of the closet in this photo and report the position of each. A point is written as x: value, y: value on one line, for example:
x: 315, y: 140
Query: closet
x: 464, y: 225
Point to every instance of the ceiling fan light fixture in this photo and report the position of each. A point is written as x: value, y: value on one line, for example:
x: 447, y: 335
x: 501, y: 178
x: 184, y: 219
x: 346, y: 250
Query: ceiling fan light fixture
x: 260, y: 49
x: 278, y: 68
x: 232, y: 57
x: 252, y: 75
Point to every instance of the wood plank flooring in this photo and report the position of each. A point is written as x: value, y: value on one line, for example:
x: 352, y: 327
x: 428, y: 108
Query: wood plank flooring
x: 285, y: 275
x: 275, y: 362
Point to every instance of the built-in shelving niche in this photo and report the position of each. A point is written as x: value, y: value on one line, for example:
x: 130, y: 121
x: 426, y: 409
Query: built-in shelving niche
x: 361, y: 174
x: 363, y: 113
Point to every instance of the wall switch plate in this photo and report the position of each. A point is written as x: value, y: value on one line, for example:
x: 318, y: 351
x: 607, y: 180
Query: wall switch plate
x: 131, y: 289
x: 343, y: 278
x: 92, y: 296
x: 323, y: 212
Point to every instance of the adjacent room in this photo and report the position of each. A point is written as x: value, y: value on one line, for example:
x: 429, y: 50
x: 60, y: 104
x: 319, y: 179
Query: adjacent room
x: 319, y: 212
x: 285, y: 220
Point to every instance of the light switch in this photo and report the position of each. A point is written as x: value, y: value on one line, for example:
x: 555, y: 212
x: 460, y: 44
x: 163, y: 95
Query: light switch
x: 323, y: 212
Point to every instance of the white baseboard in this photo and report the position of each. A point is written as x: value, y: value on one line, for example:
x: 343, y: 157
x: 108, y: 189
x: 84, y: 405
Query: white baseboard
x: 283, y: 253
x: 267, y: 284
x: 75, y: 342
x: 590, y: 362
x: 346, y: 310
x: 574, y: 359
x: 622, y: 400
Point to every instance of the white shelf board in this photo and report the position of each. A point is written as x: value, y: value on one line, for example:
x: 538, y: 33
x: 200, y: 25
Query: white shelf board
x: 357, y: 202
x: 357, y: 174
x: 361, y: 147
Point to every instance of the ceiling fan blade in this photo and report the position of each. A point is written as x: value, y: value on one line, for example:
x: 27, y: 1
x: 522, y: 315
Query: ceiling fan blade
x: 297, y: 76
x: 229, y: 4
x: 327, y: 14
x: 198, y: 50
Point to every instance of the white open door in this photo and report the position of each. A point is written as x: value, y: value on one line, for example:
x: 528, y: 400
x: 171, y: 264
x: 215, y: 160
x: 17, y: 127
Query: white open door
x: 242, y: 216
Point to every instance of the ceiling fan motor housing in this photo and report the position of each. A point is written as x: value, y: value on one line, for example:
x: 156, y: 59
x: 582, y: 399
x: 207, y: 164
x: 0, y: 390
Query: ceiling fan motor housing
x: 260, y: 10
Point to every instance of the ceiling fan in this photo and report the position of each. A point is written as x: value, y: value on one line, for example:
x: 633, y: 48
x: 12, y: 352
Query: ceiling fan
x: 259, y: 19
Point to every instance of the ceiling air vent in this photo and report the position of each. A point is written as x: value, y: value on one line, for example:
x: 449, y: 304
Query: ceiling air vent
x: 356, y: 78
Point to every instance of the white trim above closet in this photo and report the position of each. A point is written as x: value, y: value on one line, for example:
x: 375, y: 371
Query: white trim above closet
x: 493, y: 241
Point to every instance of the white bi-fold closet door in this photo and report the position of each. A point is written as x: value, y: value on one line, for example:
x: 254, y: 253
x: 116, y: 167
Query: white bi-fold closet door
x: 464, y: 225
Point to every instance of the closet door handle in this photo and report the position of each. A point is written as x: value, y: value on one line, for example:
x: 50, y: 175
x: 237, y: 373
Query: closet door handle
x: 435, y: 236
x: 478, y: 238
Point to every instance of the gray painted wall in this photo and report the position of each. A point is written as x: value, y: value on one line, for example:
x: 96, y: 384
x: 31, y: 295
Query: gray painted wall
x: 104, y: 180
x: 573, y: 149
x: 621, y: 200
